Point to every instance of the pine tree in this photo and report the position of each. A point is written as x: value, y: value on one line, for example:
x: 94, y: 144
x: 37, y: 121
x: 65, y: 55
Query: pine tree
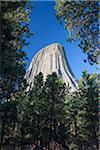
x: 89, y: 87
x: 44, y: 116
x: 32, y: 122
x: 82, y: 114
x: 14, y: 29
x: 55, y: 108
x: 14, y: 23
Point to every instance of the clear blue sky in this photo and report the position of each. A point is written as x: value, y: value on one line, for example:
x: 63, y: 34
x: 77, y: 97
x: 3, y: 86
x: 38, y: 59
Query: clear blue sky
x: 47, y: 30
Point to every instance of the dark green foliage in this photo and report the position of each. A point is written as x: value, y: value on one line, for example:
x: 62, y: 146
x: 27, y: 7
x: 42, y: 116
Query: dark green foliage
x: 55, y: 92
x: 30, y: 124
x: 82, y: 114
x: 44, y: 121
x: 89, y: 86
x: 81, y: 19
x: 49, y: 114
x: 52, y: 114
x: 14, y: 21
x: 14, y: 27
x: 8, y: 121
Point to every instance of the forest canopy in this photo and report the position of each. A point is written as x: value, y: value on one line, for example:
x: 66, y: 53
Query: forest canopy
x: 81, y: 20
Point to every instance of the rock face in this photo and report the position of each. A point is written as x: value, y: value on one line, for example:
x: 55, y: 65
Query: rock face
x: 51, y: 59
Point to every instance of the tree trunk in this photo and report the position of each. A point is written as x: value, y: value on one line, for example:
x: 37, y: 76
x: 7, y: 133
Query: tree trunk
x: 2, y: 135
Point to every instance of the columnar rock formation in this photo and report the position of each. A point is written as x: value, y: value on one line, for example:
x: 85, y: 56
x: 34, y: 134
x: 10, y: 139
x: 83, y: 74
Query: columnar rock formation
x: 51, y: 59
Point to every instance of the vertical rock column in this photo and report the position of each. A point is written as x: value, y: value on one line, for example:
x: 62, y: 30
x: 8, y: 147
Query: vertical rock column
x: 51, y: 59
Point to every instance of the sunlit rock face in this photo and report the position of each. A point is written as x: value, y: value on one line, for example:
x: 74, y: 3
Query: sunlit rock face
x: 51, y: 59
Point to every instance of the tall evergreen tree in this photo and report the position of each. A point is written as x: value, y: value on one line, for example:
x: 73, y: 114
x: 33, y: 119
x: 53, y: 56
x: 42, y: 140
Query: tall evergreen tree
x: 32, y: 122
x: 82, y: 114
x: 14, y: 23
x: 54, y: 104
x: 44, y: 121
x: 89, y: 88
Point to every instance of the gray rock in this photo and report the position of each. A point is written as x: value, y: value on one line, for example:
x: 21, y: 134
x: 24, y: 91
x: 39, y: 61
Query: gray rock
x: 51, y: 59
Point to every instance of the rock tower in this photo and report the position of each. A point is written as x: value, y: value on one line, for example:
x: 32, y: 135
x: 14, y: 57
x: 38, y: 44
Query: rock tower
x: 51, y: 59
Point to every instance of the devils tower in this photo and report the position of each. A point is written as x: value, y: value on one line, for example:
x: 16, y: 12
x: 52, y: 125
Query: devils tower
x: 51, y: 59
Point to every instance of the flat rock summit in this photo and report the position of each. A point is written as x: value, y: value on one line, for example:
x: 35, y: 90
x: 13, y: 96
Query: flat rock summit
x: 51, y: 59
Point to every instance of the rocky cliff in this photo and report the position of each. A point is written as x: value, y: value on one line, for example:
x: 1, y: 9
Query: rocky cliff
x: 51, y: 59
